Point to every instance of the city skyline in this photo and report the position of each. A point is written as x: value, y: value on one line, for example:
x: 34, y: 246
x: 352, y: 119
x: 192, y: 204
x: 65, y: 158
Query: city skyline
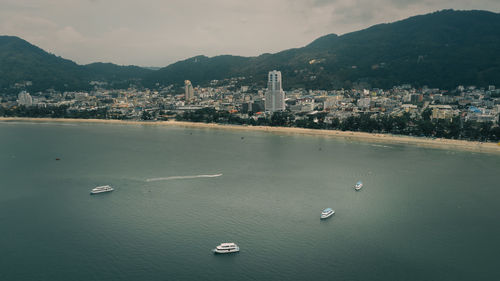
x: 158, y: 34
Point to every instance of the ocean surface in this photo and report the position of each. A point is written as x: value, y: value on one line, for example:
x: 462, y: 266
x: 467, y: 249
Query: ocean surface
x: 423, y: 214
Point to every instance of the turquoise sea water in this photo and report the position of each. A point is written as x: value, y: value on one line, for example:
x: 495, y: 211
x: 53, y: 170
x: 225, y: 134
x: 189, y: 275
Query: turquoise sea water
x: 423, y: 214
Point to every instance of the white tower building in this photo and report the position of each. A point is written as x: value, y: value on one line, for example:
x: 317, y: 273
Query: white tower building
x: 188, y: 91
x: 275, y: 97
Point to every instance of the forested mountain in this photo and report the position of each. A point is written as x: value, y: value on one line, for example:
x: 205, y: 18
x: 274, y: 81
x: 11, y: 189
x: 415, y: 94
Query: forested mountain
x: 21, y: 61
x: 442, y: 49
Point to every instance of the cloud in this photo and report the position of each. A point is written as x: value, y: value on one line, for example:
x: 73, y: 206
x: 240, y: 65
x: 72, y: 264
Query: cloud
x: 158, y: 32
x: 69, y: 35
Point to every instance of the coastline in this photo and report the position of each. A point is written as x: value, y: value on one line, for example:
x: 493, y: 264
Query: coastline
x: 439, y: 143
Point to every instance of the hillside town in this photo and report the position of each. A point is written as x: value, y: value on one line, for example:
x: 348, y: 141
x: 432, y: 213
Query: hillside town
x: 235, y: 102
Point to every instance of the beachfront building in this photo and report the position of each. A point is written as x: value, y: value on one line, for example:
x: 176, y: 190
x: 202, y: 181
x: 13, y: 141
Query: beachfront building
x: 24, y: 98
x: 442, y: 112
x: 188, y: 91
x: 275, y: 97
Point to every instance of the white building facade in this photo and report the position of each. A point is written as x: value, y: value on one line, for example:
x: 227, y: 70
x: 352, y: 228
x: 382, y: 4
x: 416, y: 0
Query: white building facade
x: 275, y: 97
x: 25, y: 99
x: 188, y: 91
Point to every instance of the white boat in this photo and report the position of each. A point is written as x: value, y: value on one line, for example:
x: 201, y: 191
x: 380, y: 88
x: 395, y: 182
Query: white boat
x: 358, y: 186
x: 328, y: 212
x: 226, y: 248
x: 101, y: 189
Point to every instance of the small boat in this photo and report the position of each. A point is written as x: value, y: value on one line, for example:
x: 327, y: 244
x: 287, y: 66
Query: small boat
x: 226, y: 248
x: 328, y: 212
x: 358, y: 186
x: 101, y: 189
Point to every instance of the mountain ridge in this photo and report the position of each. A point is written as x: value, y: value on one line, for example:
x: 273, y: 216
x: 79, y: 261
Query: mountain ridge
x: 22, y: 61
x: 441, y: 49
x: 383, y: 55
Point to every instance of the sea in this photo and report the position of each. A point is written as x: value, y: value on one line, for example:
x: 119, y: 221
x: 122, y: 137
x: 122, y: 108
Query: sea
x: 422, y: 214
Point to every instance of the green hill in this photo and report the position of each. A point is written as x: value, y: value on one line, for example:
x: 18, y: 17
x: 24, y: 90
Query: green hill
x: 21, y: 61
x: 442, y: 49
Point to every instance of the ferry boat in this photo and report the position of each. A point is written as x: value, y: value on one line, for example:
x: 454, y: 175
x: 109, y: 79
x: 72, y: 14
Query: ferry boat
x: 101, y: 189
x: 358, y: 186
x: 328, y: 212
x: 226, y: 248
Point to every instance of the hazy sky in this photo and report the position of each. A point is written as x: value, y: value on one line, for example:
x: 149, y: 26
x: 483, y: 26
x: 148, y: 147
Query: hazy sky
x: 159, y: 32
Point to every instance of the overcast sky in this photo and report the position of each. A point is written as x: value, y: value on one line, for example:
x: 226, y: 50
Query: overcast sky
x: 159, y: 32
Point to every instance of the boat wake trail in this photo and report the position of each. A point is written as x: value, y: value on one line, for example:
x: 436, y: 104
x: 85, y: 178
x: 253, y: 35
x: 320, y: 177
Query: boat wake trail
x: 379, y: 145
x: 183, y: 177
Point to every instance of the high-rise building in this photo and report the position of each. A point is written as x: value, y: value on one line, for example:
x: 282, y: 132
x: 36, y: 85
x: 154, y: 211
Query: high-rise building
x: 188, y: 90
x: 275, y: 97
x: 24, y: 98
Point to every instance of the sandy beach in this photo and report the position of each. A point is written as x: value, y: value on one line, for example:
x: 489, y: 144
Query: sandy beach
x: 353, y: 136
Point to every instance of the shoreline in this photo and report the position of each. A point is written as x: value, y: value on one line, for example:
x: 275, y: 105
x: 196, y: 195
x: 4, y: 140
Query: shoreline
x: 447, y: 144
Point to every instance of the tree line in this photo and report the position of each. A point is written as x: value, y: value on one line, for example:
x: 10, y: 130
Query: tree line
x: 422, y: 126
